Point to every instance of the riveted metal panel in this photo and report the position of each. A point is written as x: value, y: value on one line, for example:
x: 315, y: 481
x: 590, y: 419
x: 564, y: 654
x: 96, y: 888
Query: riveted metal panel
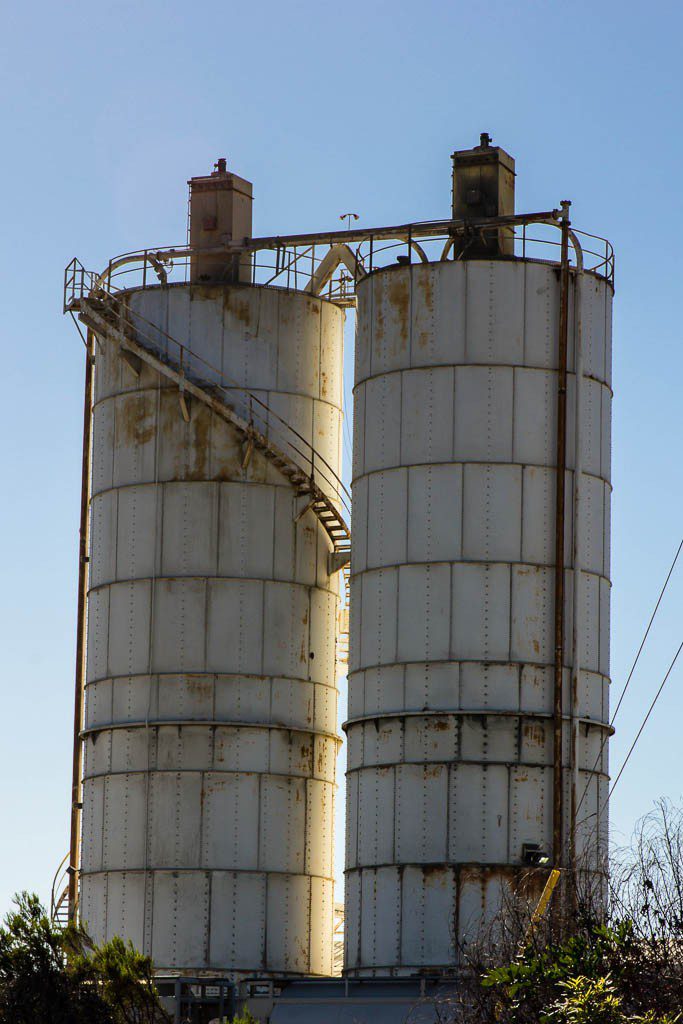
x: 433, y: 738
x: 479, y: 793
x: 288, y: 935
x: 390, y: 342
x: 93, y: 906
x: 532, y: 614
x: 432, y: 685
x: 426, y: 404
x: 182, y: 697
x: 481, y: 611
x: 126, y: 906
x: 382, y: 435
x: 212, y: 621
x: 358, y: 431
x: 93, y: 812
x: 179, y: 633
x: 483, y: 414
x: 541, y: 316
x: 535, y: 405
x: 240, y: 749
x: 489, y: 687
x: 379, y: 617
x: 129, y: 749
x: 432, y: 535
x: 234, y: 626
x: 421, y: 826
x: 381, y: 908
x: 492, y: 513
x: 530, y: 797
x: 175, y: 810
x: 322, y: 636
x: 189, y: 540
x: 241, y: 698
x: 100, y: 702
x: 425, y: 590
x: 321, y: 941
x: 384, y: 689
x: 103, y: 447
x: 387, y: 493
x: 438, y: 318
x: 427, y: 914
x: 103, y: 517
x: 135, y: 415
x: 238, y: 919
x: 376, y: 797
x: 318, y: 853
x: 495, y: 313
x: 129, y: 603
x: 131, y: 698
x: 452, y: 621
x: 98, y: 634
x: 181, y: 918
x: 184, y: 747
x: 138, y: 512
x: 230, y: 820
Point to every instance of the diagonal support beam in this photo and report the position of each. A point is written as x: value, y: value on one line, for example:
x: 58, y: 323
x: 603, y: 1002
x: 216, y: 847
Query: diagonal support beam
x: 337, y: 254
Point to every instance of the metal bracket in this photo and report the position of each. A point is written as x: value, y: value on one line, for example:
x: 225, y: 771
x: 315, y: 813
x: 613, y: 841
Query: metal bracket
x: 336, y: 560
x: 247, y: 452
x: 184, y: 402
x: 302, y: 512
x: 131, y: 360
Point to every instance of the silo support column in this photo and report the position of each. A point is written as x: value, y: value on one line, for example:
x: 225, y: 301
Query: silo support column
x: 77, y: 762
x: 561, y: 463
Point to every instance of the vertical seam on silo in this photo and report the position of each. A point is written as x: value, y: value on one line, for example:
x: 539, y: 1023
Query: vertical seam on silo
x: 204, y: 812
x: 207, y: 917
x: 158, y: 527
x: 447, y: 851
x: 106, y: 905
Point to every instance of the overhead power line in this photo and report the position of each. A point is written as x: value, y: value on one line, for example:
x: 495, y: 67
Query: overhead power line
x: 644, y: 722
x: 628, y: 681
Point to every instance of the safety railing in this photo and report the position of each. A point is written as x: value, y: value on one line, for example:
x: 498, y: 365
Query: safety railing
x: 295, y: 261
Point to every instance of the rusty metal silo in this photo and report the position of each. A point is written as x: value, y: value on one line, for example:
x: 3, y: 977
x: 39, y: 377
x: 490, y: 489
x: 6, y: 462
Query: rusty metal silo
x: 478, y: 704
x: 210, y: 727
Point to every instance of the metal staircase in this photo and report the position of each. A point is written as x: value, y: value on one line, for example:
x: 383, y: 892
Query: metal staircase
x: 305, y: 469
x: 59, y: 900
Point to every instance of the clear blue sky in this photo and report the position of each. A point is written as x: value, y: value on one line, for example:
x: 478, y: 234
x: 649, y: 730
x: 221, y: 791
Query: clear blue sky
x: 108, y: 109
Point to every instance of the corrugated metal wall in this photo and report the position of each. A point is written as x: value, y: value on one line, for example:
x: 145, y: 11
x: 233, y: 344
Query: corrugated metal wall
x: 211, y: 697
x: 451, y: 678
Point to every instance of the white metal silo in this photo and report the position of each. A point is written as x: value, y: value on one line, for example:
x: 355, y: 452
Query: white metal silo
x: 452, y: 689
x: 210, y: 715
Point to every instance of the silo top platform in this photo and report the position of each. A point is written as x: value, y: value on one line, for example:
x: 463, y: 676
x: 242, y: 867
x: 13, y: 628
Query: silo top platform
x: 330, y: 263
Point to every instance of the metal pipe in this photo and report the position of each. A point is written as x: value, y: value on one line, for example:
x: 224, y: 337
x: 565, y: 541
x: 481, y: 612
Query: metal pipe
x: 77, y: 759
x: 561, y: 464
x: 576, y: 564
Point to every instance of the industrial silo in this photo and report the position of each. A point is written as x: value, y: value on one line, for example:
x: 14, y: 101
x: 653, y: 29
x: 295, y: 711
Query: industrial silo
x: 479, y: 670
x: 210, y: 727
x: 479, y: 585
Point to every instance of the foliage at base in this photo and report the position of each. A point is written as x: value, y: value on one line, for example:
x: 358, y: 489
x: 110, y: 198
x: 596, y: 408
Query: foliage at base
x: 55, y: 975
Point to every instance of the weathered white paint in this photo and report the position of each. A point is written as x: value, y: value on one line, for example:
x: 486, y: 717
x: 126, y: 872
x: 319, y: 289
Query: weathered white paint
x: 209, y: 781
x: 451, y: 663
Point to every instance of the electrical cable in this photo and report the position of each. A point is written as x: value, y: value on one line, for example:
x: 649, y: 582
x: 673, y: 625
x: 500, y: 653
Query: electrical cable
x: 630, y: 675
x: 644, y: 722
